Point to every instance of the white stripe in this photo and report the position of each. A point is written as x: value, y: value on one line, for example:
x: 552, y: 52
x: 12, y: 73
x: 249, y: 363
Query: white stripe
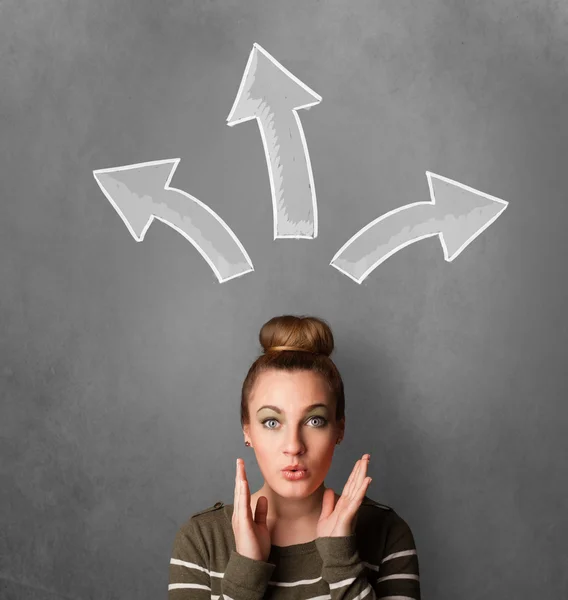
x: 397, y: 555
x: 371, y: 566
x: 328, y: 597
x: 190, y: 565
x: 338, y: 584
x: 364, y: 593
x: 194, y: 586
x: 332, y: 586
x: 398, y: 576
x: 216, y: 574
x: 294, y: 583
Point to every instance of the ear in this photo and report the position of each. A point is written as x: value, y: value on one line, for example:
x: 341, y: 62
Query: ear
x: 246, y: 430
x: 341, y: 426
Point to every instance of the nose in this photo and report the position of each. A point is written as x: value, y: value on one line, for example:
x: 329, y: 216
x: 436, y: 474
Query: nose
x: 294, y: 444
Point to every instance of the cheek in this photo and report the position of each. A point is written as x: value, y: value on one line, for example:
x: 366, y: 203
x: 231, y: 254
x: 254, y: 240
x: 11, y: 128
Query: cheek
x: 329, y: 453
x: 264, y: 455
x: 260, y: 448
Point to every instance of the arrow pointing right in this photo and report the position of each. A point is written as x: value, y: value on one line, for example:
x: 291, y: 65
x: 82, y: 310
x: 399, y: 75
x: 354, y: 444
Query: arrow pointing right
x: 457, y: 214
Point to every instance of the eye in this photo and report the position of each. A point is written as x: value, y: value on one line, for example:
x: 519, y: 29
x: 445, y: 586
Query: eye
x: 322, y: 419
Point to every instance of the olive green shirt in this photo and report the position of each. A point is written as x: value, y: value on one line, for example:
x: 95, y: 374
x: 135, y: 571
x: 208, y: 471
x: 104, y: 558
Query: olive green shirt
x: 378, y: 561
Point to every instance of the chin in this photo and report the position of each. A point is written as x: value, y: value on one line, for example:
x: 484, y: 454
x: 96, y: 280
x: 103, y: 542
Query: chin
x: 304, y: 487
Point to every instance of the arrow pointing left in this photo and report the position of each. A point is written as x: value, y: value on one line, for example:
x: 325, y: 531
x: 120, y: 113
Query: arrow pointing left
x: 141, y: 192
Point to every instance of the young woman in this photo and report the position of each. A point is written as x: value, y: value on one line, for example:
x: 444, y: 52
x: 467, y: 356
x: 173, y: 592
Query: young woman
x: 295, y: 538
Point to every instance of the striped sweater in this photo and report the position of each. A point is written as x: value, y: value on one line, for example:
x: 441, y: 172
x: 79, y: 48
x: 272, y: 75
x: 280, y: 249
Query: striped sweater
x: 379, y: 561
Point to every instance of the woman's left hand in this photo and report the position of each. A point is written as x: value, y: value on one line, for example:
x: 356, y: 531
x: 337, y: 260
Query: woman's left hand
x: 340, y: 521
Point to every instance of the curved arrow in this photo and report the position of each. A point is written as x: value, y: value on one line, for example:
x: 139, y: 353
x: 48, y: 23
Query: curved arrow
x: 270, y: 94
x: 142, y: 192
x: 457, y: 214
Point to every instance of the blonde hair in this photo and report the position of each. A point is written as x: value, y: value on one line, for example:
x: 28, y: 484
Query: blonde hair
x: 295, y: 343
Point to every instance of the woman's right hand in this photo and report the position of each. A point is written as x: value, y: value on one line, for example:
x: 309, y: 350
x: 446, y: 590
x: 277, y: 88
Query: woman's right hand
x: 252, y: 536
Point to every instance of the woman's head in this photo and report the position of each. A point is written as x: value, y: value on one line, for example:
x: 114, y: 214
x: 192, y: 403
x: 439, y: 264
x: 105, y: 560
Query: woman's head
x: 292, y: 381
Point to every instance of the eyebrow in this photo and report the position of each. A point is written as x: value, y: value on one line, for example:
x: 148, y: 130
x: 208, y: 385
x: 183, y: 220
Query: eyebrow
x: 276, y: 409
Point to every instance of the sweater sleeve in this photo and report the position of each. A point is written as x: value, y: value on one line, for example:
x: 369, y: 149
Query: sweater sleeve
x: 190, y: 578
x: 345, y: 573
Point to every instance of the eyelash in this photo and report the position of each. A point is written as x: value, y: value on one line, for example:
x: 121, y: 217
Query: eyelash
x: 324, y: 423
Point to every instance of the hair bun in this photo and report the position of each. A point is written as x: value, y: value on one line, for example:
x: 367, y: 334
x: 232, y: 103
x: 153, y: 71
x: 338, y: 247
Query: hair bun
x: 310, y: 334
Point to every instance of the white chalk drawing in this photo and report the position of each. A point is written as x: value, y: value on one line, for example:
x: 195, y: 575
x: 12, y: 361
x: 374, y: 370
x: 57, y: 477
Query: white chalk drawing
x: 457, y: 213
x: 270, y: 94
x: 141, y: 193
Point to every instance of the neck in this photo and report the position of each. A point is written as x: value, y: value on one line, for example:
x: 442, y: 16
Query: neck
x: 291, y: 510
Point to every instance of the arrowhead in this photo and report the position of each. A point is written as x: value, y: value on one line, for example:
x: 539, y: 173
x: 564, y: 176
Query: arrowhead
x: 134, y: 191
x: 266, y: 82
x: 463, y: 212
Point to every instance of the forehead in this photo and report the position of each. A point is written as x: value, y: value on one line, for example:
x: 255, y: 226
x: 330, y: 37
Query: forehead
x: 288, y: 389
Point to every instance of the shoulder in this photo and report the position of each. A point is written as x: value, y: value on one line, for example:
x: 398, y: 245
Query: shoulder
x: 377, y: 505
x: 196, y: 537
x: 382, y: 526
x: 203, y: 520
x: 373, y: 516
x: 216, y: 507
x: 385, y: 517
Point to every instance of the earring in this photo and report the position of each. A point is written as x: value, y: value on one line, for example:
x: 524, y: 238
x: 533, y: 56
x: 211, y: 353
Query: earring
x: 247, y: 443
x: 338, y: 441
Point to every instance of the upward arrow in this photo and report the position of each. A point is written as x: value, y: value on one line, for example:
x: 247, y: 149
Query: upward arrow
x: 270, y: 94
x: 457, y: 213
x: 142, y: 192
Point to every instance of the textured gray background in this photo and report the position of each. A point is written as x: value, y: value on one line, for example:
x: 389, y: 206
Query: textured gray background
x: 122, y: 362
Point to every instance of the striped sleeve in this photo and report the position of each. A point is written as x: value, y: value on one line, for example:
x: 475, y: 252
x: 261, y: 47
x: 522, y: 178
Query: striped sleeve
x: 345, y: 573
x: 399, y: 575
x: 189, y: 576
x: 191, y: 579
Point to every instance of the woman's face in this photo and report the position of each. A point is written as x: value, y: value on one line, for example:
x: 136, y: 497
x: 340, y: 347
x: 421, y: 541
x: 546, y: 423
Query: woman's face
x: 284, y: 429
